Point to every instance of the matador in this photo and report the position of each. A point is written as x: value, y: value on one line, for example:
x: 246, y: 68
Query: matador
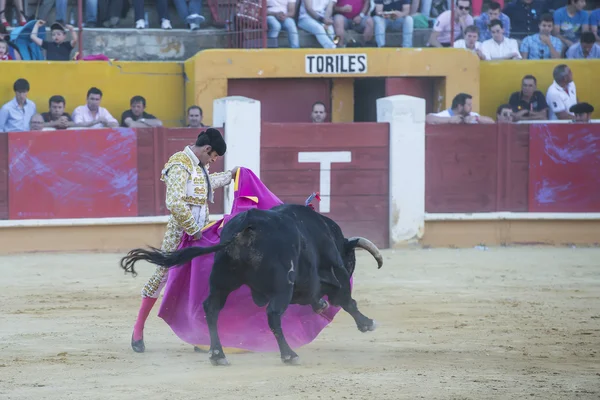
x: 189, y: 189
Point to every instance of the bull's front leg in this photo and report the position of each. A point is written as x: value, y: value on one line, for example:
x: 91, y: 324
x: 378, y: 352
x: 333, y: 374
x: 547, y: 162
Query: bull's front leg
x: 363, y: 323
x: 213, y: 304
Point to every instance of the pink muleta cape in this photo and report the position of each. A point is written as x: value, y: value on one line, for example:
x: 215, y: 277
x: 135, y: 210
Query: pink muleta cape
x: 242, y: 324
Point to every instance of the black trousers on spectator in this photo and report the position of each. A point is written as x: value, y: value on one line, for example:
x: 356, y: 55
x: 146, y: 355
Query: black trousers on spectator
x: 161, y: 7
x: 112, y: 8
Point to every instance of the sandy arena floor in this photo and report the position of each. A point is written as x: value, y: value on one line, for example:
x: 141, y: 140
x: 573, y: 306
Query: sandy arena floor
x: 506, y: 323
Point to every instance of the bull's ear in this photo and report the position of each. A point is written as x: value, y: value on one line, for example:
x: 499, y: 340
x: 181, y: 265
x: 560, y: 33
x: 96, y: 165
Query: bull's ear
x: 350, y: 244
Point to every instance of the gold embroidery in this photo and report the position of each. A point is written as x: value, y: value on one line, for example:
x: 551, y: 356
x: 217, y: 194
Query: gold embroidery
x: 220, y: 179
x: 177, y: 200
x: 194, y: 200
x: 179, y: 158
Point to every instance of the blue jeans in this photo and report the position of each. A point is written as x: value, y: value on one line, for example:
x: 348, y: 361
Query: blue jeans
x: 404, y: 24
x: 316, y: 28
x: 290, y: 27
x: 184, y: 9
x: 426, y: 7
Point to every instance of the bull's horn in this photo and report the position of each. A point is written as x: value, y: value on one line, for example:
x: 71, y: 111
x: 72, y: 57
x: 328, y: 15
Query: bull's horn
x: 370, y: 247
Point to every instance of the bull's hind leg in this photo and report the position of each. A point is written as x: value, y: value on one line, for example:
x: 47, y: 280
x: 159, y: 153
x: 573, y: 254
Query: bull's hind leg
x: 275, y: 310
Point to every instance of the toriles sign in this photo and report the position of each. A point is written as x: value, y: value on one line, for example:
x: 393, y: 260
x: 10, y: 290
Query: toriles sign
x: 335, y: 64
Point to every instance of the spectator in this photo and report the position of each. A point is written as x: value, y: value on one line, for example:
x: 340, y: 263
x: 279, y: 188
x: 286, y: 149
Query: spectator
x: 315, y: 18
x: 504, y: 113
x: 431, y: 9
x: 570, y: 21
x: 136, y: 117
x: 92, y: 114
x: 4, y: 53
x: 470, y: 41
x: 36, y: 123
x: 595, y: 23
x: 440, y: 37
x: 582, y: 112
x: 319, y: 114
x: 162, y: 7
x: 195, y: 117
x: 58, y: 49
x: 524, y: 16
x: 393, y: 15
x: 16, y: 114
x: 542, y: 46
x: 18, y: 4
x: 56, y: 117
x: 460, y: 112
x: 280, y: 14
x: 60, y: 8
x: 190, y: 11
x: 353, y: 14
x: 562, y: 94
x: 494, y: 13
x: 500, y: 47
x: 528, y: 104
x: 586, y: 48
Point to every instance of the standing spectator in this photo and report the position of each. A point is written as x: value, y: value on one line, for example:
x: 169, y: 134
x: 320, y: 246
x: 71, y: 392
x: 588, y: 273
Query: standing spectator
x: 504, y: 113
x: 440, y: 37
x: 500, y: 47
x: 353, y: 14
x: 92, y: 113
x: 190, y: 11
x: 137, y: 117
x: 460, y: 112
x: 195, y: 117
x: 524, y: 16
x: 18, y: 8
x: 586, y: 48
x: 542, y: 46
x: 58, y: 49
x: 315, y: 18
x: 595, y: 23
x: 16, y: 114
x: 60, y: 8
x: 280, y: 14
x: 562, y: 94
x: 162, y: 7
x: 493, y: 13
x: 393, y: 15
x: 528, y: 104
x: 470, y: 41
x: 570, y: 21
x: 582, y: 112
x: 319, y: 114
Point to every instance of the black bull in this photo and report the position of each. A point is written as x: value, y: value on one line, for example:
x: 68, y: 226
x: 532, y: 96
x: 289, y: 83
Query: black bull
x: 289, y: 254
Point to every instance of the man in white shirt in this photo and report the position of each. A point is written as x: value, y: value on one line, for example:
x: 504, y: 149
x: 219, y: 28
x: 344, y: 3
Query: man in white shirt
x: 92, y: 112
x: 470, y: 42
x: 500, y: 47
x: 460, y: 112
x: 562, y: 94
x: 315, y: 17
x: 280, y: 14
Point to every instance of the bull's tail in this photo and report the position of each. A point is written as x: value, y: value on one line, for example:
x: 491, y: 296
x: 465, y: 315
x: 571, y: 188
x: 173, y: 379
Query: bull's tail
x: 166, y: 259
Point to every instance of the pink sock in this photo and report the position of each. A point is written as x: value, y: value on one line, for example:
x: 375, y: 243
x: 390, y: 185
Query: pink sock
x: 145, y: 308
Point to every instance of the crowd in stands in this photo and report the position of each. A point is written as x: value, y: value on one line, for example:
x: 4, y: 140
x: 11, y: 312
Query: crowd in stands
x: 20, y: 114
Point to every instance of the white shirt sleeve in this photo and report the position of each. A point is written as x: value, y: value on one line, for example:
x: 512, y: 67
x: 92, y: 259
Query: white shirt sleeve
x: 554, y: 101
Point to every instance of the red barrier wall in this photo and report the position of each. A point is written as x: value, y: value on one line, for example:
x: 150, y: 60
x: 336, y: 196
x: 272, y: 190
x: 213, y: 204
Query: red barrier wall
x: 359, y: 199
x: 564, y: 168
x: 3, y: 175
x: 476, y: 168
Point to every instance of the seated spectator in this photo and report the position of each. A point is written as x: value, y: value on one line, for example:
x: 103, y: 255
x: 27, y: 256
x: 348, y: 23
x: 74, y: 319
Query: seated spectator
x: 393, y: 16
x: 460, y: 112
x: 353, y: 14
x: 136, y: 117
x: 16, y: 114
x: 504, y: 113
x: 36, y: 123
x: 315, y: 18
x: 500, y: 47
x: 528, y: 104
x: 440, y: 37
x: 92, y: 113
x: 319, y: 113
x: 56, y: 117
x: 582, y: 112
x: 586, y: 48
x: 12, y: 52
x: 570, y: 21
x: 524, y: 16
x: 542, y: 46
x: 4, y: 52
x: 280, y: 14
x: 470, y: 41
x: 562, y: 94
x: 58, y: 49
x: 595, y: 23
x: 195, y: 117
x: 493, y: 14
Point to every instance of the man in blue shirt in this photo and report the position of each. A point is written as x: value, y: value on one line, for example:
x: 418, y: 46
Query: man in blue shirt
x: 16, y: 114
x: 570, y: 21
x: 595, y: 22
x: 543, y: 45
x: 493, y: 13
x: 586, y: 48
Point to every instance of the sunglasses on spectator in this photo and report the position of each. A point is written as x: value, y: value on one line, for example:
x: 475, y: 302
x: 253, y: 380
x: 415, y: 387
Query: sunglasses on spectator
x: 464, y: 8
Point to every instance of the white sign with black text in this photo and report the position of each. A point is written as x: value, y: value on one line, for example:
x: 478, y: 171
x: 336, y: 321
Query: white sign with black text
x: 335, y: 63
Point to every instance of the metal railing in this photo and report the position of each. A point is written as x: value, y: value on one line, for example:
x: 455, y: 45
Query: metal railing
x: 244, y: 20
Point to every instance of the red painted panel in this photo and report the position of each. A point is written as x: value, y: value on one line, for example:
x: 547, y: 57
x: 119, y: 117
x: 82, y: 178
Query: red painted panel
x: 3, y: 175
x: 286, y: 158
x: 418, y: 87
x: 274, y: 95
x: 365, y: 134
x: 564, y: 168
x: 513, y: 167
x: 73, y: 174
x: 147, y: 205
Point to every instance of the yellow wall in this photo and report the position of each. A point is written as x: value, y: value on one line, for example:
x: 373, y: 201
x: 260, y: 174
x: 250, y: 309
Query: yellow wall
x: 160, y: 83
x: 500, y: 79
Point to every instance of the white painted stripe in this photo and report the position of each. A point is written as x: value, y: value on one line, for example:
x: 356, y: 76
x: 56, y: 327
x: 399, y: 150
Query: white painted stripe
x: 509, y: 216
x: 33, y: 223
